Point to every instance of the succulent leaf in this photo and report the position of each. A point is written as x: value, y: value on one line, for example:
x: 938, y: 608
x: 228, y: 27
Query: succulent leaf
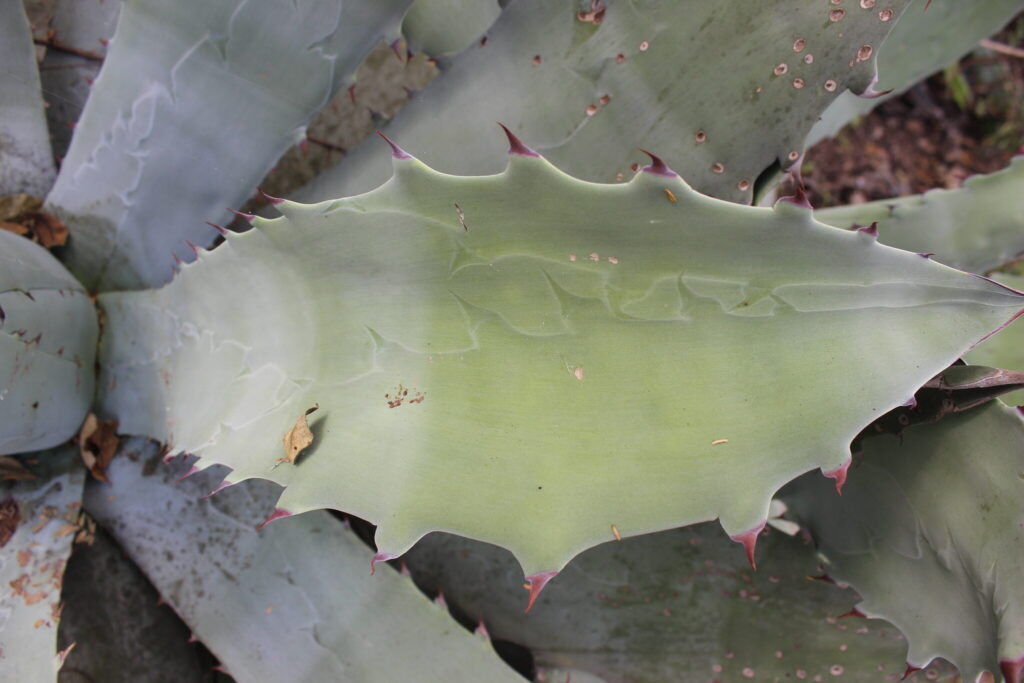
x: 38, y: 521
x: 1006, y: 349
x: 485, y: 344
x: 929, y: 36
x: 227, y: 86
x: 721, y: 90
x: 445, y: 27
x: 680, y: 605
x: 26, y: 165
x: 291, y: 603
x: 48, y: 335
x: 928, y: 532
x: 977, y: 227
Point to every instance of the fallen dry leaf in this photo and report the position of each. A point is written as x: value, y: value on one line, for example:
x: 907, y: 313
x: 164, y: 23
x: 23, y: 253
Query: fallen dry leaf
x: 13, y: 206
x: 97, y: 442
x: 298, y: 437
x: 20, y: 214
x: 9, y: 518
x: 12, y: 469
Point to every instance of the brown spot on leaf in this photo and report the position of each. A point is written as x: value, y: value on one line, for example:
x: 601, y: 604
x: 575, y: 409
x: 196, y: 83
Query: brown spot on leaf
x: 299, y: 437
x: 97, y: 443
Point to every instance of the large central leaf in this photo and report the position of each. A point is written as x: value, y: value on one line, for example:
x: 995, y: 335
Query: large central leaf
x: 537, y: 361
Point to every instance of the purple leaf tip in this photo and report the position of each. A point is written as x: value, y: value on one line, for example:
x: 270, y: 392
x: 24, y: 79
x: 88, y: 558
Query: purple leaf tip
x: 278, y: 513
x: 379, y: 557
x: 749, y: 541
x: 839, y: 474
x: 1012, y: 669
x: 537, y: 582
x: 870, y: 230
x: 194, y: 248
x: 396, y: 151
x: 925, y: 254
x: 273, y: 200
x: 219, y: 228
x: 247, y: 217
x: 658, y: 166
x: 515, y: 145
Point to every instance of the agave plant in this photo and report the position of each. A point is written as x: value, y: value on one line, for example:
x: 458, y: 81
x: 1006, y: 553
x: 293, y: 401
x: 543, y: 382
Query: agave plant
x: 610, y: 405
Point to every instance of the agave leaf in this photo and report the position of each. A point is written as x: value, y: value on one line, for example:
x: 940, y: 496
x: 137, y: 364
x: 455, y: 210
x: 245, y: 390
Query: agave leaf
x: 444, y: 27
x: 37, y: 525
x: 26, y: 165
x: 48, y: 335
x: 680, y: 605
x: 221, y: 89
x: 288, y: 603
x: 485, y: 344
x: 928, y: 532
x: 977, y: 227
x: 1005, y: 350
x: 930, y: 35
x: 709, y: 86
x: 83, y: 29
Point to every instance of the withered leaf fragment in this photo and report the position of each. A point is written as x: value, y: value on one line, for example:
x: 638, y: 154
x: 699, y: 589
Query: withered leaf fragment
x: 298, y: 437
x: 11, y: 469
x: 97, y: 442
x: 20, y: 214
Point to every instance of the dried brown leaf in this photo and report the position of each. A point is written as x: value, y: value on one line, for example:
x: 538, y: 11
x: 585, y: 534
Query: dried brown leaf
x: 48, y: 230
x: 15, y: 206
x: 298, y: 438
x: 97, y: 442
x: 9, y: 518
x: 12, y: 469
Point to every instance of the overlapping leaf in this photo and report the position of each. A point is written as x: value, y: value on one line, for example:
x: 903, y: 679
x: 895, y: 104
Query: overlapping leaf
x: 25, y: 162
x: 529, y: 359
x: 221, y: 89
x: 48, y: 334
x: 680, y: 605
x: 977, y: 227
x: 291, y: 603
x: 928, y: 532
x: 722, y: 90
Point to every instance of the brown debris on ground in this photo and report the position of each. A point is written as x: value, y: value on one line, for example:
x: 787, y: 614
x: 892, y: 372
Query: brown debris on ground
x: 964, y: 121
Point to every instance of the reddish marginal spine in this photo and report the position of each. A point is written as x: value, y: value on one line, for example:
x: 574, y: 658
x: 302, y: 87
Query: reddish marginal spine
x: 658, y: 166
x: 278, y: 513
x: 749, y: 541
x: 380, y: 557
x: 1012, y: 669
x: 219, y: 228
x: 911, y: 669
x: 537, y: 582
x: 515, y: 145
x: 247, y: 217
x: 870, y: 230
x: 853, y: 613
x: 839, y: 474
x: 273, y: 200
x: 396, y: 151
